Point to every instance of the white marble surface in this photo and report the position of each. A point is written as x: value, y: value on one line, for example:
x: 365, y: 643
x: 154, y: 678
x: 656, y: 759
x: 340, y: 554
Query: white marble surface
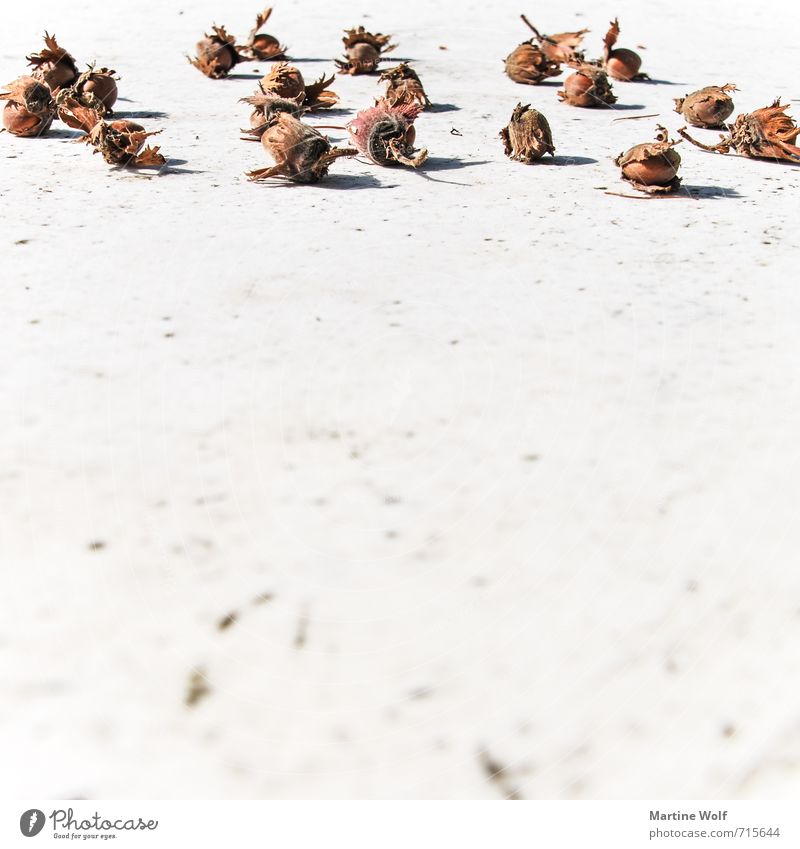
x: 515, y: 462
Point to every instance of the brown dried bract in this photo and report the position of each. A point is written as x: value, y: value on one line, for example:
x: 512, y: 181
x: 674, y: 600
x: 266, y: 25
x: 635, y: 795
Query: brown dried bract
x: 652, y: 167
x: 96, y: 89
x: 527, y: 137
x: 119, y: 142
x: 709, y: 107
x: 267, y: 106
x: 301, y: 153
x: 386, y: 134
x: 54, y: 65
x: 561, y: 47
x: 217, y: 54
x: 767, y: 133
x: 621, y: 63
x: 528, y: 64
x: 587, y: 87
x: 30, y: 108
x: 404, y: 86
x: 286, y: 81
x: 260, y: 45
x: 363, y: 51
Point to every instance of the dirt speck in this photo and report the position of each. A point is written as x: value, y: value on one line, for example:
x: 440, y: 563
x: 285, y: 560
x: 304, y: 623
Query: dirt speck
x: 198, y: 688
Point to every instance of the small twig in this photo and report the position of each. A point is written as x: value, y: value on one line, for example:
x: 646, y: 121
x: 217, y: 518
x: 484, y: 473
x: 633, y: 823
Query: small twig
x: 636, y: 117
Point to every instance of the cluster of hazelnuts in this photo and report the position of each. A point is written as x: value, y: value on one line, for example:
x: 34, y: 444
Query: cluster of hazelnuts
x: 56, y: 88
x: 651, y: 167
x: 384, y: 133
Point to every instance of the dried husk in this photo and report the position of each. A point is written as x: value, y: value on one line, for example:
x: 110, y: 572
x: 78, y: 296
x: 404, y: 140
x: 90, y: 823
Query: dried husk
x: 267, y: 106
x: 286, y: 81
x: 621, y: 63
x: 96, y: 89
x: 527, y: 138
x: 767, y: 133
x: 30, y: 109
x: 363, y: 51
x: 404, y: 86
x: 301, y: 153
x: 709, y: 107
x: 261, y: 46
x: 386, y: 134
x: 528, y: 64
x: 119, y: 142
x: 217, y: 54
x: 54, y: 65
x: 561, y: 47
x: 652, y: 167
x: 588, y: 87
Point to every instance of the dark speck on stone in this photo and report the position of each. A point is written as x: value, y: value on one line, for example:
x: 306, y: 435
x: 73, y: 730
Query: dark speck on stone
x: 97, y: 545
x: 227, y: 621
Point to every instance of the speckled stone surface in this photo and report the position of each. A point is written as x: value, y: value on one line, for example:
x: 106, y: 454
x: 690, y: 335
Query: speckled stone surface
x: 375, y: 488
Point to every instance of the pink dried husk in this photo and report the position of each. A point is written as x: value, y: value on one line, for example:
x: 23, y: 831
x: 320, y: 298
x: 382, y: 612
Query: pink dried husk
x: 561, y: 47
x: 301, y: 153
x: 617, y: 59
x: 709, y: 107
x: 652, y: 167
x: 119, y: 142
x: 528, y: 64
x: 30, y: 109
x: 261, y: 46
x: 54, y: 65
x: 404, y: 87
x: 217, y: 54
x: 363, y: 51
x: 767, y: 133
x: 386, y: 134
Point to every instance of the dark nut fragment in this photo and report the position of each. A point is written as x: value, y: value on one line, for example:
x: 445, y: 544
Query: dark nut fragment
x: 652, y: 167
x: 527, y: 137
x: 301, y: 153
x: 709, y: 107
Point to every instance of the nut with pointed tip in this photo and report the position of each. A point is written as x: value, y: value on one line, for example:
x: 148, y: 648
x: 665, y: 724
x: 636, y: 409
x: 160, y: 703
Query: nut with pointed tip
x: 620, y: 63
x: 30, y: 108
x: 709, y: 107
x: 404, y: 86
x: 588, y: 87
x: 386, y: 134
x: 301, y: 153
x: 217, y: 54
x: 53, y: 65
x: 767, y: 133
x: 527, y: 138
x: 363, y: 51
x: 652, y: 167
x: 261, y: 46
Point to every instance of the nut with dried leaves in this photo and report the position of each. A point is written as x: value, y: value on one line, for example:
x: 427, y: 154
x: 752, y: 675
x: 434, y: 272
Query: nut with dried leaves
x: 562, y: 47
x: 260, y: 45
x: 652, y: 167
x: 587, y: 87
x: 30, y: 109
x: 528, y: 64
x: 767, y: 133
x: 709, y: 107
x: 620, y: 63
x: 53, y: 65
x: 301, y: 153
x: 267, y: 106
x: 96, y: 89
x: 286, y: 81
x: 217, y: 54
x: 363, y: 51
x: 527, y: 137
x: 119, y: 142
x: 404, y: 86
x: 386, y: 134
